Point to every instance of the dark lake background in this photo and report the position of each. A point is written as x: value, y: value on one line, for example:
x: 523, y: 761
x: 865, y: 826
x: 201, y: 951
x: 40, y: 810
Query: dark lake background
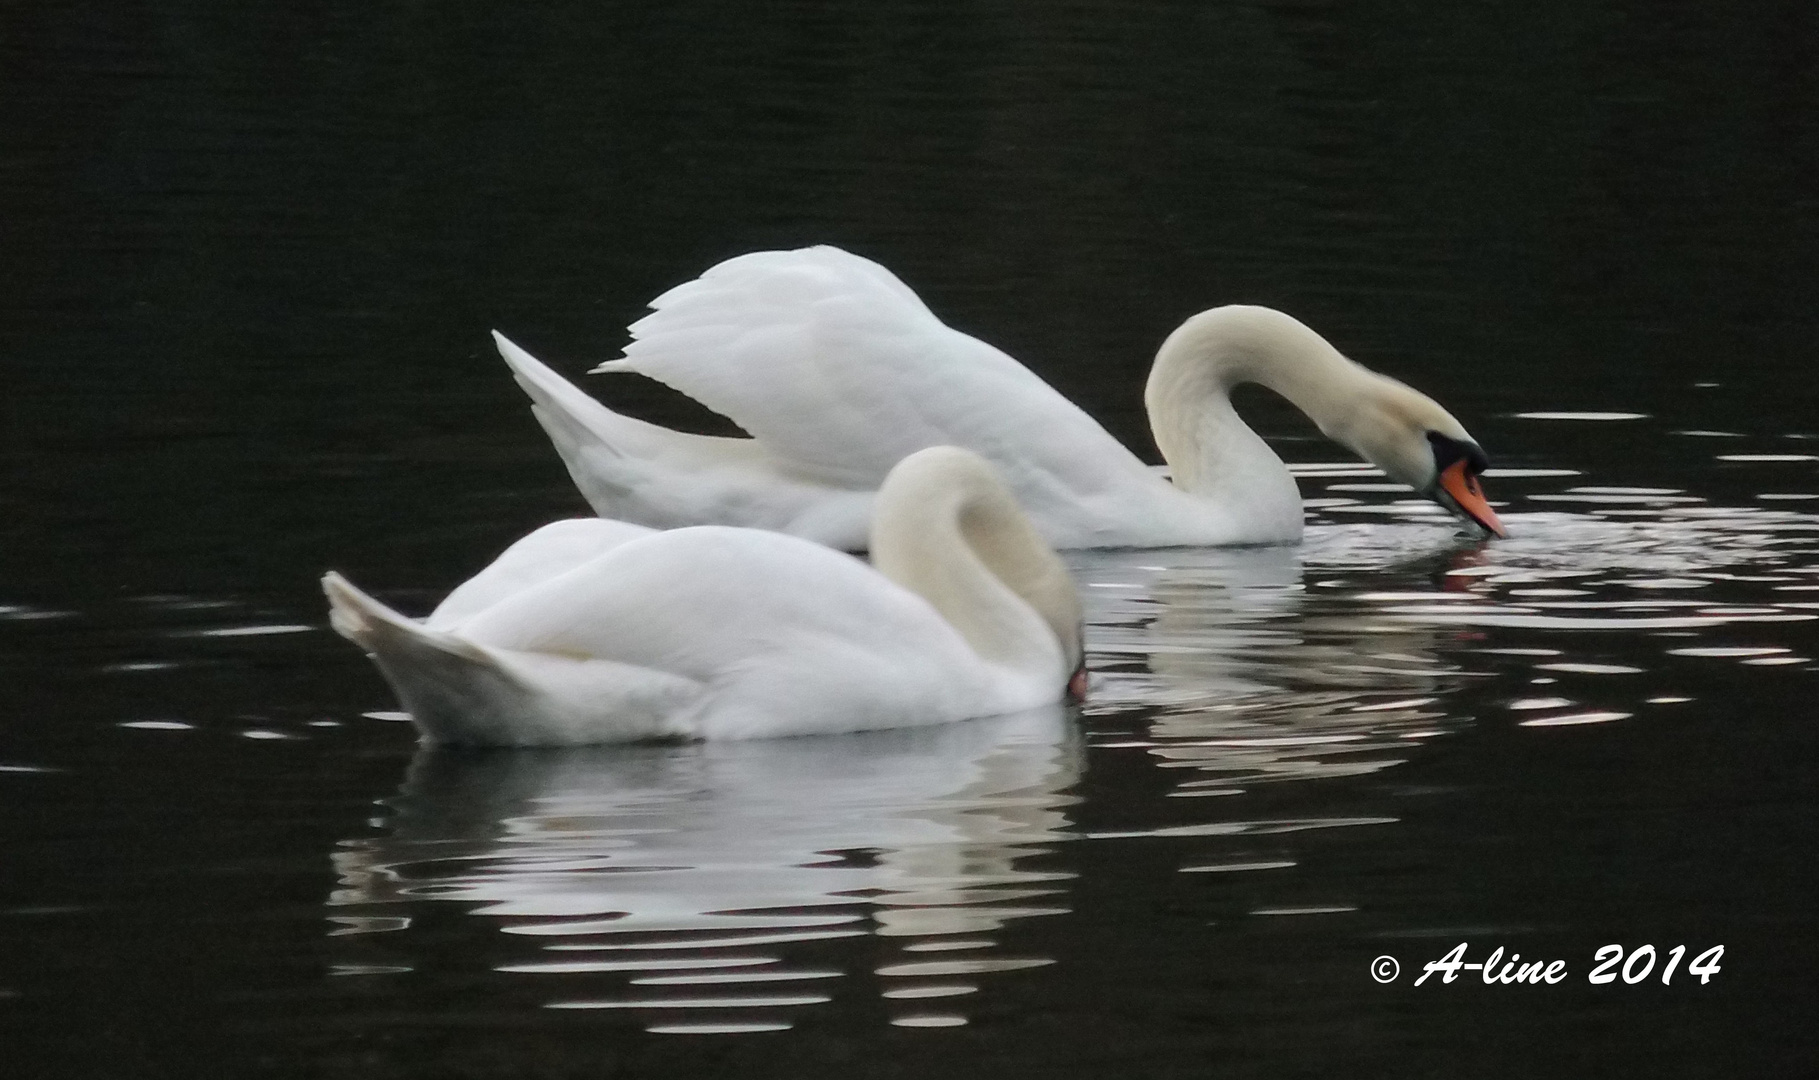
x: 249, y: 256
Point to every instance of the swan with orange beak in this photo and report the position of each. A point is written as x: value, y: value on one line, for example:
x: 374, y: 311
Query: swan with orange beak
x: 837, y: 371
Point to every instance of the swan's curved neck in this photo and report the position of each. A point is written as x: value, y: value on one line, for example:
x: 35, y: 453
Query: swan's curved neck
x: 946, y: 529
x: 1209, y: 449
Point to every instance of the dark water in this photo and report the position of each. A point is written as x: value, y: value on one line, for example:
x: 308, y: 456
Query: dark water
x: 248, y: 266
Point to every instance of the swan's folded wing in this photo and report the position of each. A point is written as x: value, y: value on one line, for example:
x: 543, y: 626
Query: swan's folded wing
x: 840, y: 371
x: 554, y: 549
x: 706, y: 603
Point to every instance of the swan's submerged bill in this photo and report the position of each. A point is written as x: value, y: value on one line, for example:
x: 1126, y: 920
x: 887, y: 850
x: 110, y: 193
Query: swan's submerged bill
x: 837, y: 370
x: 1455, y: 484
x: 590, y: 632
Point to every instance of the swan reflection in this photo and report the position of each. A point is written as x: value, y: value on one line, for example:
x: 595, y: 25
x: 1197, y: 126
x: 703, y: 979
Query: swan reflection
x: 1248, y: 675
x: 681, y: 880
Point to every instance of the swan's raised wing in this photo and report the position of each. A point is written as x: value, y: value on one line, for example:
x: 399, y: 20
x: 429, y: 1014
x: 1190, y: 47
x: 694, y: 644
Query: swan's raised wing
x: 839, y: 371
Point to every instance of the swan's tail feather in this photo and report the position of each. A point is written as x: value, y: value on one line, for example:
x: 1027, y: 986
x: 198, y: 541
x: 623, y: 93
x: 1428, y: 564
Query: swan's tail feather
x: 373, y: 626
x: 455, y: 691
x: 613, y: 459
x: 640, y: 472
x: 575, y: 421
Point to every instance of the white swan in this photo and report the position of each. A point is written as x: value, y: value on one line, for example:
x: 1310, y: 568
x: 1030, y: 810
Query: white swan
x: 603, y: 632
x: 838, y: 370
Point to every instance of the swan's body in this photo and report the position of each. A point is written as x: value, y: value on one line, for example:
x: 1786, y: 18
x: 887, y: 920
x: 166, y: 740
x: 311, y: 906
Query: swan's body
x: 837, y: 370
x: 581, y: 634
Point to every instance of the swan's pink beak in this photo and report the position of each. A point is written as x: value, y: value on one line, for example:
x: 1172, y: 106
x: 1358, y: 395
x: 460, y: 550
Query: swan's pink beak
x: 1076, y: 686
x: 1463, y: 488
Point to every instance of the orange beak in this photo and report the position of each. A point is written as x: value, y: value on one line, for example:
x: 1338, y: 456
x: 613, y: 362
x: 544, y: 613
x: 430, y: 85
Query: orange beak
x: 1462, y: 488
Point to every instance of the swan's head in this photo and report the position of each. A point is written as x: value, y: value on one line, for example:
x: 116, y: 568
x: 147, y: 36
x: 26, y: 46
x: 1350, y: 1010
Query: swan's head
x: 1416, y: 442
x: 1397, y: 428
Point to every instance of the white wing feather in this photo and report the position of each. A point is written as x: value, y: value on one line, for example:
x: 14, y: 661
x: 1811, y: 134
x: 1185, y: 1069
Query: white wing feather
x: 554, y: 549
x: 792, y: 637
x: 840, y: 371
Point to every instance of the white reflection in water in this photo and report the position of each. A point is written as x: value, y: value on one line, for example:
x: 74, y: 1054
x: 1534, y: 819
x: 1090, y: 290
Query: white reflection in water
x: 1695, y: 569
x: 1608, y: 596
x: 648, y: 879
x: 1335, y: 658
x: 1243, y: 669
x: 1252, y: 677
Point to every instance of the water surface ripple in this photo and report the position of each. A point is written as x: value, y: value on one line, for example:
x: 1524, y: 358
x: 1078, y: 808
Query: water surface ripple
x: 714, y: 889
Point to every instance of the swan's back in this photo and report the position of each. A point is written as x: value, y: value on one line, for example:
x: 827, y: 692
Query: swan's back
x: 787, y: 636
x: 688, y: 599
x: 548, y: 552
x: 840, y: 371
